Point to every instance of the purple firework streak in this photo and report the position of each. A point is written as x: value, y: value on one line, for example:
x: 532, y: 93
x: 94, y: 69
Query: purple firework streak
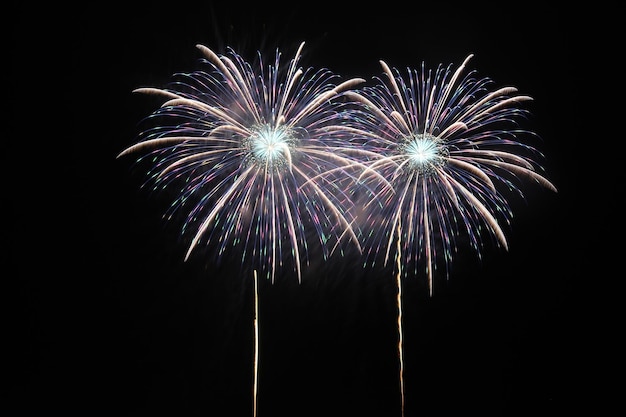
x: 444, y: 141
x: 259, y: 156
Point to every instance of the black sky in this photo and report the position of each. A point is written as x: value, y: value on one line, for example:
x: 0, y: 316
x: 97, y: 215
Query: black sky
x: 108, y: 320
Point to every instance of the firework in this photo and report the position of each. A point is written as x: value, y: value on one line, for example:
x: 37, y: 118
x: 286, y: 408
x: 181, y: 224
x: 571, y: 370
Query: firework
x: 257, y: 157
x: 442, y: 142
x: 446, y: 143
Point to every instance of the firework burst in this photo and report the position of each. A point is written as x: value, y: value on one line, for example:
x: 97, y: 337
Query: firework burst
x: 446, y: 142
x: 258, y: 158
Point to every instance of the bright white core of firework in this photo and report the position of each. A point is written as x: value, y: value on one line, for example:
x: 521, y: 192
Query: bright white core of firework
x: 271, y: 146
x: 424, y: 152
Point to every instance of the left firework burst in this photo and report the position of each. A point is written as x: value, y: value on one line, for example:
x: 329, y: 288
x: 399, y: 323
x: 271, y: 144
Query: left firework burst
x: 259, y: 158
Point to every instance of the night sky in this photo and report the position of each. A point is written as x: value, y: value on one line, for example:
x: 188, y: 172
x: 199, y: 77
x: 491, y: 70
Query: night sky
x: 107, y: 319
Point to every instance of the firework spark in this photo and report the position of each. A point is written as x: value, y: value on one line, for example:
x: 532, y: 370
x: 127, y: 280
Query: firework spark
x: 444, y: 141
x: 260, y: 158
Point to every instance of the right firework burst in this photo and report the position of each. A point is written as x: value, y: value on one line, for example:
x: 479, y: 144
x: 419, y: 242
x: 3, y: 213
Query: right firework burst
x: 451, y: 148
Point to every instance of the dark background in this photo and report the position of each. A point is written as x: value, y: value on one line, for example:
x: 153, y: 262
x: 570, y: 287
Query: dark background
x: 106, y: 319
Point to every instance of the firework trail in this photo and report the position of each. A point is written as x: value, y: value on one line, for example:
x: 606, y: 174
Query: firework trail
x: 255, y: 384
x: 443, y: 141
x: 399, y: 320
x: 259, y: 156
